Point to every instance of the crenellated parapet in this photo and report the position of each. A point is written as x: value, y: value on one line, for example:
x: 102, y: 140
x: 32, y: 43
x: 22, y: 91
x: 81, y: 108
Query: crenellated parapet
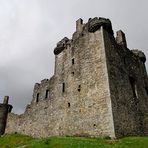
x: 95, y: 23
x: 121, y: 39
x: 43, y: 91
x: 139, y: 54
x: 90, y: 27
x: 61, y: 45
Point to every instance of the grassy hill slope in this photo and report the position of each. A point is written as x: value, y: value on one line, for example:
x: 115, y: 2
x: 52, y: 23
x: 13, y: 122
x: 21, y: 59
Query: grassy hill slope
x: 21, y: 141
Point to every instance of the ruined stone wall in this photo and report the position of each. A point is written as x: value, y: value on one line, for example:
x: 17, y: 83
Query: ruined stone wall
x: 128, y: 87
x: 41, y: 118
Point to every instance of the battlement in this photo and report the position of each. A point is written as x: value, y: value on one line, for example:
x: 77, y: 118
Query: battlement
x: 139, y: 54
x: 95, y: 23
x: 79, y: 25
x: 121, y: 39
x: 42, y: 91
x: 61, y: 45
x: 90, y: 27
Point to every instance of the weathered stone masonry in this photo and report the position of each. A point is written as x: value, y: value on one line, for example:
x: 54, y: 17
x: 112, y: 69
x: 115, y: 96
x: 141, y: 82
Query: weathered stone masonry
x: 99, y: 88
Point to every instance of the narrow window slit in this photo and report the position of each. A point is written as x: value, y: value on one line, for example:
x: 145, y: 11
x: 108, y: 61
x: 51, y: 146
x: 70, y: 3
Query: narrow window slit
x: 63, y: 87
x: 79, y: 88
x: 47, y: 94
x: 94, y: 125
x: 73, y: 73
x: 146, y: 89
x: 68, y: 105
x: 133, y: 86
x: 73, y: 61
x: 37, y: 97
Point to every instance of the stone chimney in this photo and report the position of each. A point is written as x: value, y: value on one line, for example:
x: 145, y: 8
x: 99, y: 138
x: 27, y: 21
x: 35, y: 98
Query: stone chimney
x: 121, y: 39
x: 79, y: 25
x: 6, y: 100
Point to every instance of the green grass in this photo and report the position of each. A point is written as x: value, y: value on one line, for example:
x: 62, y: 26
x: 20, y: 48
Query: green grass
x: 21, y: 141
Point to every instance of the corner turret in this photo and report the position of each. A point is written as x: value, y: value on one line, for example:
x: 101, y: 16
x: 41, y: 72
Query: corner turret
x: 60, y: 46
x: 139, y: 54
x: 95, y: 23
x: 121, y: 39
x: 79, y: 25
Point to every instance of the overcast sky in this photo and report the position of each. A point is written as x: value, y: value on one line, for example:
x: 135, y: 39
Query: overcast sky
x: 30, y: 29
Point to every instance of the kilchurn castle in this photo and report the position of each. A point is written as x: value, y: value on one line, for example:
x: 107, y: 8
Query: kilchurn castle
x: 99, y: 88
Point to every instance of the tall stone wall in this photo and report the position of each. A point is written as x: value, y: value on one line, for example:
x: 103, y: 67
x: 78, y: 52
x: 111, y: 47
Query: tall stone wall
x: 128, y: 86
x: 86, y: 97
x: 41, y: 117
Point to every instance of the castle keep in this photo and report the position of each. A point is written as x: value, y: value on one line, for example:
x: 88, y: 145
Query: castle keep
x: 99, y: 88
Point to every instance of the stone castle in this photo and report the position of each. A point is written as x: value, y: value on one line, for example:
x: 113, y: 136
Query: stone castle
x: 99, y: 88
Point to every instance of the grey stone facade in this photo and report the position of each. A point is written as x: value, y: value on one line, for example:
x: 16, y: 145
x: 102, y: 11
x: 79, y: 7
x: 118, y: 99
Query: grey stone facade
x: 99, y: 88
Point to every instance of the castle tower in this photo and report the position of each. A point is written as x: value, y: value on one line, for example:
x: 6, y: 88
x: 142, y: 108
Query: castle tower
x: 102, y: 84
x: 99, y: 88
x: 5, y: 108
x: 82, y: 80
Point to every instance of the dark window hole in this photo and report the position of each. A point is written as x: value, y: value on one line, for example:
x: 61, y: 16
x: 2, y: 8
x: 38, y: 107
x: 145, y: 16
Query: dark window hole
x: 133, y: 86
x: 73, y: 61
x: 146, y: 89
x: 47, y: 94
x: 63, y: 87
x: 37, y: 97
x: 79, y: 88
x: 68, y: 104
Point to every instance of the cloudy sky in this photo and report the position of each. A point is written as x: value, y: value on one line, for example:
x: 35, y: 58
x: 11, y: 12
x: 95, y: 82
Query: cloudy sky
x: 30, y: 29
